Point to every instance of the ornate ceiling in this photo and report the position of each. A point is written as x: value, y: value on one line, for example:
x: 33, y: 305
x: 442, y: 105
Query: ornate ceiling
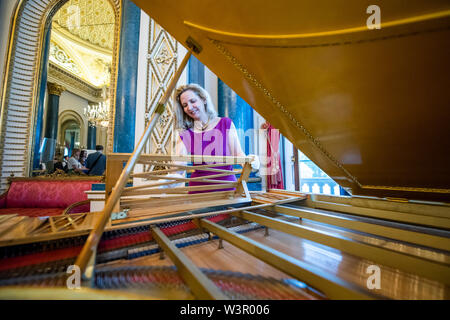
x: 93, y: 66
x: 90, y: 20
x: 82, y: 40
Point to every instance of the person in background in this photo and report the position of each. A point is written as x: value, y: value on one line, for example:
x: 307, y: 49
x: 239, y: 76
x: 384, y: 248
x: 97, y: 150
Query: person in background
x: 74, y: 164
x: 96, y: 162
x: 65, y: 162
x: 83, y: 156
x: 58, y: 164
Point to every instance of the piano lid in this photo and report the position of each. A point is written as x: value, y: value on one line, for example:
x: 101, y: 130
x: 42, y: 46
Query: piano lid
x: 369, y: 106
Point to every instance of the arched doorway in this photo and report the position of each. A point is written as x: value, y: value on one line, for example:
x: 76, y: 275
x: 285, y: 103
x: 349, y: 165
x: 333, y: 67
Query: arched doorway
x: 71, y: 131
x: 71, y: 135
x: 21, y: 92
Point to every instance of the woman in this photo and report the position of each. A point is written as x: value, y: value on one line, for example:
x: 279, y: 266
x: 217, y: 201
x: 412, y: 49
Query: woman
x: 202, y: 132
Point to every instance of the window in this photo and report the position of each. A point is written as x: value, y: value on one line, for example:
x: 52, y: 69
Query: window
x: 313, y: 179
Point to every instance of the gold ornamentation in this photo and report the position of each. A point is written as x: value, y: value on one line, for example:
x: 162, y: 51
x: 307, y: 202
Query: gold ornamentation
x: 58, y: 56
x: 74, y: 83
x: 162, y: 54
x: 162, y: 60
x: 55, y: 89
x: 89, y: 20
x: 114, y: 69
x: 41, y: 10
x: 164, y: 119
x: 164, y: 57
x: 87, y: 61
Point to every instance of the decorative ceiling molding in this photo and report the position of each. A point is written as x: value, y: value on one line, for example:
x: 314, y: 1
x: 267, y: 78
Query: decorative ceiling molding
x: 92, y: 21
x: 73, y: 83
x: 90, y: 63
x: 61, y: 58
x: 75, y: 39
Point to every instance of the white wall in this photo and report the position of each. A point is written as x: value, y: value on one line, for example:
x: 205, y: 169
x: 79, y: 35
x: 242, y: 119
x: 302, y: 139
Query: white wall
x: 211, y: 86
x: 101, y: 136
x: 142, y: 77
x: 289, y: 165
x: 70, y: 101
x: 141, y: 87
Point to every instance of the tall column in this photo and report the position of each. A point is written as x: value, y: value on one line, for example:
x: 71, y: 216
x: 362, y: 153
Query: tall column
x: 72, y: 141
x: 51, y: 125
x: 91, y: 137
x: 234, y: 107
x: 125, y: 112
x: 42, y: 91
x: 91, y: 132
x: 196, y: 71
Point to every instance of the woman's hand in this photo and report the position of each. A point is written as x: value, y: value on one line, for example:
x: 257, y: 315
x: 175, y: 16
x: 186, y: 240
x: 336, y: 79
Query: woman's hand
x: 255, y: 162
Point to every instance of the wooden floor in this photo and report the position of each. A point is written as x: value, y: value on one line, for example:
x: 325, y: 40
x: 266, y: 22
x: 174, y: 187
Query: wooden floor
x: 395, y: 284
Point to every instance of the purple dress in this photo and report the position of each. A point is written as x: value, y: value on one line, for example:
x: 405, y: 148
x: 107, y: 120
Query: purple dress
x: 212, y: 142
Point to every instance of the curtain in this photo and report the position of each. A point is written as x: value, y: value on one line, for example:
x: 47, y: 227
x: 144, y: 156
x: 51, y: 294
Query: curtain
x: 274, y: 171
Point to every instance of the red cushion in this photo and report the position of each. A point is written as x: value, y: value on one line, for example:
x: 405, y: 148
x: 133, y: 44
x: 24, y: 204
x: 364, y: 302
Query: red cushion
x: 33, y: 212
x: 46, y: 194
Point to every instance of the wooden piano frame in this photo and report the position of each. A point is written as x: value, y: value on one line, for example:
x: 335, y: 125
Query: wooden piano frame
x: 148, y: 204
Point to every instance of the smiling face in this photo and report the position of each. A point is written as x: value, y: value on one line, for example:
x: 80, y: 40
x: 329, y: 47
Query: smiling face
x: 193, y: 106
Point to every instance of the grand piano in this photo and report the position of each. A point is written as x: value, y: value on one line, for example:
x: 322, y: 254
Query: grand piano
x: 370, y: 106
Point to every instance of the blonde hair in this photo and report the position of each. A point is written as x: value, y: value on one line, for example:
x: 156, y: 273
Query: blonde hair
x: 183, y: 121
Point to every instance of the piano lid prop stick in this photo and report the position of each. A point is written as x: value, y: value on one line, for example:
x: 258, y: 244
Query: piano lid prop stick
x: 94, y: 237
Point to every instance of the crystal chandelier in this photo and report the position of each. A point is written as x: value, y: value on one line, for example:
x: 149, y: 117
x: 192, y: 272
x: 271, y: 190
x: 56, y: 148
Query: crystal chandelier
x: 97, y: 114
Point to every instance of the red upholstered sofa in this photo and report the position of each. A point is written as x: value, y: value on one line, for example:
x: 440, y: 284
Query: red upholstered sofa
x: 36, y: 197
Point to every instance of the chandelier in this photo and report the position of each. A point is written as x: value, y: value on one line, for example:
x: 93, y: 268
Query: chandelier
x: 97, y: 114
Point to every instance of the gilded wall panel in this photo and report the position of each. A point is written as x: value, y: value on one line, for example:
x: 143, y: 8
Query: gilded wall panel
x: 161, y: 65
